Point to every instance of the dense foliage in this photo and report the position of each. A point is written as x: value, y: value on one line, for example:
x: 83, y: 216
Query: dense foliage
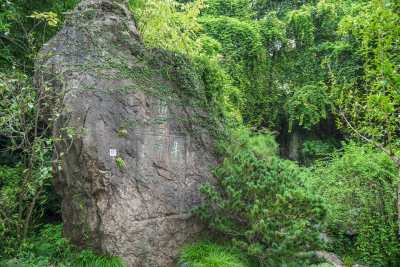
x: 359, y: 186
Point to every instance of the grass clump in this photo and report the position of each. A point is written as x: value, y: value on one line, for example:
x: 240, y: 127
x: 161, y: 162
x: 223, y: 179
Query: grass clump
x: 208, y: 254
x: 88, y: 258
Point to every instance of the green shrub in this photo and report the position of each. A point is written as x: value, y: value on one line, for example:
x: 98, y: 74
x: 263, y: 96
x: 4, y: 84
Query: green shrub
x: 262, y: 202
x: 208, y: 254
x: 359, y: 186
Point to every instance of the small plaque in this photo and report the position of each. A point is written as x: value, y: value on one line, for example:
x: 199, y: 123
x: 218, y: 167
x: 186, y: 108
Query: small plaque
x: 113, y: 152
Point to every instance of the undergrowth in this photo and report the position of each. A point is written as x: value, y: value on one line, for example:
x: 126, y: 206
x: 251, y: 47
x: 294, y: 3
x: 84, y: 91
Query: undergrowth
x: 50, y: 248
x: 358, y: 185
x: 206, y: 253
x: 209, y: 254
x: 89, y: 259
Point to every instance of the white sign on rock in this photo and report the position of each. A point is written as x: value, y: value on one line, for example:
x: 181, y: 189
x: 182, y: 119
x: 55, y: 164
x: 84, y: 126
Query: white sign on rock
x: 113, y: 152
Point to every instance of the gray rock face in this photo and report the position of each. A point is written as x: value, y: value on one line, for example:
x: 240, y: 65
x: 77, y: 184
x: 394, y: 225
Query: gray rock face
x: 332, y: 259
x: 127, y: 183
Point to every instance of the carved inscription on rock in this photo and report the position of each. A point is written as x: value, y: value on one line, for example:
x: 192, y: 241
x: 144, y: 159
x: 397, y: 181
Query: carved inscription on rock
x: 156, y: 143
x: 158, y: 147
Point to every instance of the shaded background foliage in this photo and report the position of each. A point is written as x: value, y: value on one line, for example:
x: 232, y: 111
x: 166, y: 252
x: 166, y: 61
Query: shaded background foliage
x: 15, y: 22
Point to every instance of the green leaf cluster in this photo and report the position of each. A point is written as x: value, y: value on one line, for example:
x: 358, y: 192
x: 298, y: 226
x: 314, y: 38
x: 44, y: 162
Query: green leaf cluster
x: 120, y: 162
x: 308, y: 105
x: 49, y: 17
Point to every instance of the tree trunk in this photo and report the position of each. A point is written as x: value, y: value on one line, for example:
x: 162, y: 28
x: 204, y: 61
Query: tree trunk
x: 29, y: 213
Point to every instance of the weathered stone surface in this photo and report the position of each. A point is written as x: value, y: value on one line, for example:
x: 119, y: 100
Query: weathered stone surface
x: 331, y: 258
x: 139, y: 106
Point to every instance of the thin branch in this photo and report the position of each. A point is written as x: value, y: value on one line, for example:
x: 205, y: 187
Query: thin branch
x: 379, y: 146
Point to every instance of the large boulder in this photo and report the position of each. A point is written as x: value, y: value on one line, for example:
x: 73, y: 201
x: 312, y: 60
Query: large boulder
x: 129, y: 181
